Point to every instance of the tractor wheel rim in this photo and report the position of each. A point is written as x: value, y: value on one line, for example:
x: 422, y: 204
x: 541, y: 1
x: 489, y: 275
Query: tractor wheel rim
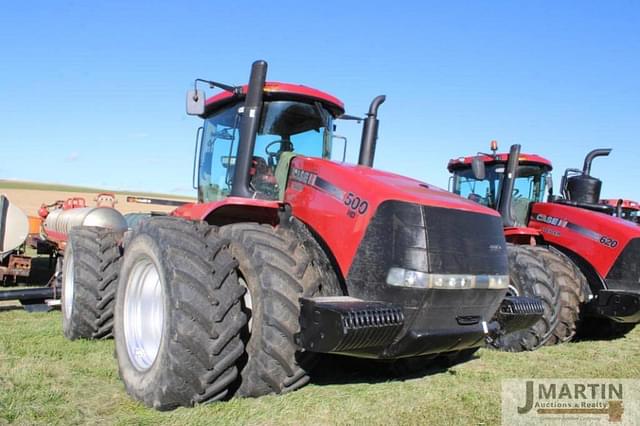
x: 143, y: 317
x: 68, y: 283
x: 248, y: 302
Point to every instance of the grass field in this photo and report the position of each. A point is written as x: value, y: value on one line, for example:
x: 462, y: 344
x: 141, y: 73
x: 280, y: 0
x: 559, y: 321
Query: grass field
x: 45, y: 379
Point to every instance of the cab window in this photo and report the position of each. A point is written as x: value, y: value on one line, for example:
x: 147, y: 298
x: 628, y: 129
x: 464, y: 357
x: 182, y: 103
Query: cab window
x: 286, y: 127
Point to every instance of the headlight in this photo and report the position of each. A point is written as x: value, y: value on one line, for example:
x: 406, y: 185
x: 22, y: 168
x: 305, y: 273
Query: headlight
x: 415, y: 279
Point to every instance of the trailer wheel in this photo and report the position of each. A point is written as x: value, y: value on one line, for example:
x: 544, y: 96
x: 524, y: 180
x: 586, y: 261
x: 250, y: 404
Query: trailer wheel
x: 573, y: 286
x: 90, y: 270
x: 278, y: 266
x: 529, y: 276
x: 178, y: 316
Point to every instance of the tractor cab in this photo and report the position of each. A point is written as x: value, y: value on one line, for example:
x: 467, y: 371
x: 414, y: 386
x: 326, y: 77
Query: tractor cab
x: 479, y: 178
x: 295, y: 120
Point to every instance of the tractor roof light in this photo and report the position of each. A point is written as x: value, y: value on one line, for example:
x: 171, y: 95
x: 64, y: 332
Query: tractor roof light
x: 494, y: 146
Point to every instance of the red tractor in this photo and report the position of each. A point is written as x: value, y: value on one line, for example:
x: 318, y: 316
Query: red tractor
x: 626, y: 209
x: 286, y: 255
x: 576, y: 253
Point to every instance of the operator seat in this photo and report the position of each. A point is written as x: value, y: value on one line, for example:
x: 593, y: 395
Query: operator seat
x: 262, y: 178
x: 282, y: 171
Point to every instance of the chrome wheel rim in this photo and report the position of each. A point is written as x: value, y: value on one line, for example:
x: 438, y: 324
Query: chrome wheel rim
x: 68, y: 284
x: 143, y: 316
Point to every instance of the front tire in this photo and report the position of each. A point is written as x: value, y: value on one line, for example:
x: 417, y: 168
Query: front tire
x: 178, y: 315
x: 529, y: 276
x: 278, y: 266
x: 90, y: 270
x: 573, y: 287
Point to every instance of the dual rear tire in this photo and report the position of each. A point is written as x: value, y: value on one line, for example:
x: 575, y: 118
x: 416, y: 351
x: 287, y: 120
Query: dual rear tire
x: 90, y: 270
x: 204, y: 313
x: 178, y: 315
x: 278, y: 266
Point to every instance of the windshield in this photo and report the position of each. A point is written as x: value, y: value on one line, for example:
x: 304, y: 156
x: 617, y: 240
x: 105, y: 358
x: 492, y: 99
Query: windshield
x: 481, y: 191
x: 528, y: 187
x: 286, y: 128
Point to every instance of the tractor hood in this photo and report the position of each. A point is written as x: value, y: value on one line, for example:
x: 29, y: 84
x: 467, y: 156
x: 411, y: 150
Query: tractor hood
x: 595, y: 236
x: 376, y: 186
x: 339, y: 202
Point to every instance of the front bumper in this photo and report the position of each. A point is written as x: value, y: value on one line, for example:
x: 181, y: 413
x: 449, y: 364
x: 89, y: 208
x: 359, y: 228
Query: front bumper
x: 355, y: 327
x: 617, y: 305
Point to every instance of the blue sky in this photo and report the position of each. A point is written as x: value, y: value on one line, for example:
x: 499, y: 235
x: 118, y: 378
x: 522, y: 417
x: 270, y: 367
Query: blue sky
x: 92, y: 93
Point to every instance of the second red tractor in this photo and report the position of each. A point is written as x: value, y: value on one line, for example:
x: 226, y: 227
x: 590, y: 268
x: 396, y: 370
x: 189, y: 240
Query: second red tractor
x: 585, y: 263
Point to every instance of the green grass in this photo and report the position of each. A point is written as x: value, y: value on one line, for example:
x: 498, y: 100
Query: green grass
x: 11, y: 184
x: 45, y: 379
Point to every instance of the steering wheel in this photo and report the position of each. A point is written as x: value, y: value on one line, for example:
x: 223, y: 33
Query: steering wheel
x: 274, y: 155
x: 474, y: 197
x: 517, y: 194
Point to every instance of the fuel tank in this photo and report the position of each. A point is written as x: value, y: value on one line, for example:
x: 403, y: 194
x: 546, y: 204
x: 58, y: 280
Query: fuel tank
x: 59, y: 222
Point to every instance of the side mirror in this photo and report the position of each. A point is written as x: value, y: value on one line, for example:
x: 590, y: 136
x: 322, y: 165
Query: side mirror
x: 195, y: 102
x: 478, y: 168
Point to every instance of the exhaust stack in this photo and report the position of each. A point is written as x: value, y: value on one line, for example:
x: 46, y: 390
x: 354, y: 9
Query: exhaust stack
x: 248, y: 129
x: 586, y: 168
x: 370, y: 133
x: 506, y: 193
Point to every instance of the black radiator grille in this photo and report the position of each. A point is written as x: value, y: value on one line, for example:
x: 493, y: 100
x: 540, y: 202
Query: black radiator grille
x: 426, y: 239
x: 460, y: 242
x: 431, y: 239
x: 625, y: 273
